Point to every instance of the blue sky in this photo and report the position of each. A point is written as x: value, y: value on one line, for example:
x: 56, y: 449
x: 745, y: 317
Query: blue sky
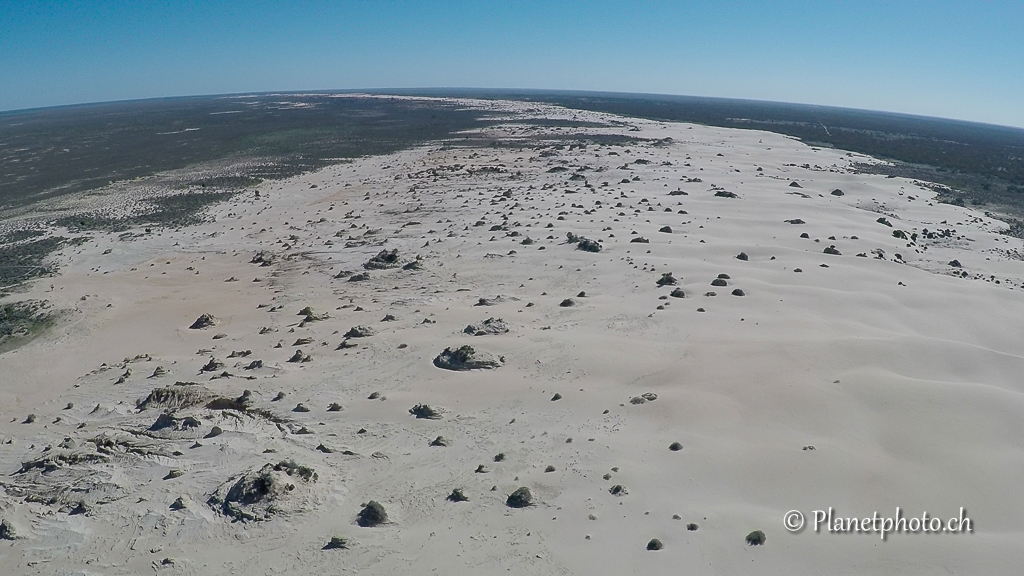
x: 939, y: 58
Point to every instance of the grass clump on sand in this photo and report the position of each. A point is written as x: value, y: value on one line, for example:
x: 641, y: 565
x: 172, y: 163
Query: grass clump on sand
x: 425, y: 411
x: 359, y: 332
x: 756, y: 538
x: 667, y: 279
x: 384, y: 259
x: 203, y: 321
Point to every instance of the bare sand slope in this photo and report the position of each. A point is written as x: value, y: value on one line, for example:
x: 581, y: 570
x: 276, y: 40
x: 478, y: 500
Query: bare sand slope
x: 902, y: 371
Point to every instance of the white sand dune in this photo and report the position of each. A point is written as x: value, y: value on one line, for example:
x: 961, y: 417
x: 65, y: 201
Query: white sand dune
x: 903, y: 375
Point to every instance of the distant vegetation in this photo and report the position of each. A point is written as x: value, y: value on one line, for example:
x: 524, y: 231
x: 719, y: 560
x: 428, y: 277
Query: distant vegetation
x: 54, y: 151
x: 172, y: 211
x: 993, y: 151
x: 49, y: 152
x: 984, y: 163
x: 21, y: 261
x: 21, y: 320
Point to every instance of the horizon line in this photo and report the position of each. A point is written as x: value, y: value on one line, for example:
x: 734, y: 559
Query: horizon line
x: 553, y: 91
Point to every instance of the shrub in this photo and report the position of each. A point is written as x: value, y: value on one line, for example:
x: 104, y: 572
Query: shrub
x: 521, y: 498
x: 336, y: 543
x: 373, y: 514
x: 457, y: 496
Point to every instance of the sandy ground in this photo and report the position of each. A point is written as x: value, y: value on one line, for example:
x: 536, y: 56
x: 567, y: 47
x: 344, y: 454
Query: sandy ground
x: 902, y: 372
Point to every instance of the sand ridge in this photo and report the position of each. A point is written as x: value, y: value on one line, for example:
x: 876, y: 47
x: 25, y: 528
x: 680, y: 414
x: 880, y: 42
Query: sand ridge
x: 901, y: 371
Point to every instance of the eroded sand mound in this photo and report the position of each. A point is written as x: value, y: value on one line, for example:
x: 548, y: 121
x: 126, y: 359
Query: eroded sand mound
x: 180, y: 395
x: 466, y: 358
x: 261, y: 493
x: 490, y: 326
